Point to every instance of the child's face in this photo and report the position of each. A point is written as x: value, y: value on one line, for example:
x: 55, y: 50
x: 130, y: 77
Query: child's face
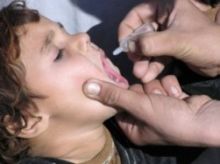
x: 57, y: 64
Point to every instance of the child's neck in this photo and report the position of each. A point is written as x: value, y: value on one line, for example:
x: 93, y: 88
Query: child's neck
x: 76, y: 147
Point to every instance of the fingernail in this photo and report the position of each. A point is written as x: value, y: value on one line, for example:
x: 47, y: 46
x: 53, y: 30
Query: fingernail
x: 131, y: 46
x: 155, y: 26
x: 158, y: 92
x: 93, y: 89
x: 174, y: 91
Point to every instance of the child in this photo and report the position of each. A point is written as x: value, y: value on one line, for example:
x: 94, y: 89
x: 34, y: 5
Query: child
x: 45, y: 117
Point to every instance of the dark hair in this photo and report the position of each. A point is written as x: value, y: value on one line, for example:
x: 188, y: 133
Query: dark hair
x: 14, y: 96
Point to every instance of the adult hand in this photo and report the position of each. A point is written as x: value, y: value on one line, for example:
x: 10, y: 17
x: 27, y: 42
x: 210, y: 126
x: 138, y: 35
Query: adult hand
x: 159, y: 118
x: 185, y: 33
x: 133, y: 127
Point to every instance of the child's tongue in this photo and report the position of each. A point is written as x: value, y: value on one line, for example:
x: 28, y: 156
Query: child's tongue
x: 112, y: 74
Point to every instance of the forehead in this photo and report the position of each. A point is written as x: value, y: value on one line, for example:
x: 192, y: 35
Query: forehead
x: 32, y: 35
x: 38, y: 28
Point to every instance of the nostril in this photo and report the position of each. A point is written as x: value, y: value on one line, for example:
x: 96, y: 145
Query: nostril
x: 94, y: 46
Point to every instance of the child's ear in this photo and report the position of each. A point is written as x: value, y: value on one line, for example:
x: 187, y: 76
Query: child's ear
x: 36, y: 124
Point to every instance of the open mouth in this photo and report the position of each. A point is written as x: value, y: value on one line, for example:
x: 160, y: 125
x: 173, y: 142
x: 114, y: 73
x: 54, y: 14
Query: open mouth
x: 112, y: 72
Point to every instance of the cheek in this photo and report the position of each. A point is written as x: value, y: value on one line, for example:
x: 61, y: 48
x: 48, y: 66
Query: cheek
x: 69, y: 83
x: 66, y: 98
x: 69, y: 101
x: 83, y: 71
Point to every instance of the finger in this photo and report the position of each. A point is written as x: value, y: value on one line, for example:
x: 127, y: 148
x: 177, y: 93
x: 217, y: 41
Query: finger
x: 135, y: 18
x: 196, y: 102
x: 137, y: 132
x: 154, y: 87
x: 134, y: 57
x: 159, y: 44
x: 217, y: 19
x: 112, y: 95
x: 201, y: 6
x: 129, y: 126
x: 140, y: 68
x: 147, y: 70
x: 172, y: 87
x: 137, y: 88
x: 154, y: 69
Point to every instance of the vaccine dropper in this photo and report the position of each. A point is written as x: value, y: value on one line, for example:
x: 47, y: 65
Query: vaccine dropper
x: 123, y: 45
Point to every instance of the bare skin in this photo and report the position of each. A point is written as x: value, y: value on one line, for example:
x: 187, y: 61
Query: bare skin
x: 162, y: 113
x: 179, y: 36
x: 67, y: 125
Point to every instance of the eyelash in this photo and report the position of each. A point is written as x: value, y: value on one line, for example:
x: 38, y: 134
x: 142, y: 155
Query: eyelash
x: 59, y: 55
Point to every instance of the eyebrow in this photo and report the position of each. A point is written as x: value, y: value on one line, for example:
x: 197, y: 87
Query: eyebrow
x: 48, y: 40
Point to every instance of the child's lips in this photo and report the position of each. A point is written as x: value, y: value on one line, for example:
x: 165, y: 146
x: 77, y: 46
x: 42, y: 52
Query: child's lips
x: 113, y: 73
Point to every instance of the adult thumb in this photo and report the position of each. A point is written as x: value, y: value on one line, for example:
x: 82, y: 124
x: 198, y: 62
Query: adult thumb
x: 158, y: 44
x: 112, y: 95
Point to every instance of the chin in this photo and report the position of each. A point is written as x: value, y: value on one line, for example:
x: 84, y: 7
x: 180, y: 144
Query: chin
x: 110, y: 112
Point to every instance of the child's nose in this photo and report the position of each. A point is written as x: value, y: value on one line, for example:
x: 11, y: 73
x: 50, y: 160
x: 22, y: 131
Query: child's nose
x: 82, y: 41
x: 84, y: 37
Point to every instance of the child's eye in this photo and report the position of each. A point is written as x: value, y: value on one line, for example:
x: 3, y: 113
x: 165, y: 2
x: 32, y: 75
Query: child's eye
x: 59, y: 56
